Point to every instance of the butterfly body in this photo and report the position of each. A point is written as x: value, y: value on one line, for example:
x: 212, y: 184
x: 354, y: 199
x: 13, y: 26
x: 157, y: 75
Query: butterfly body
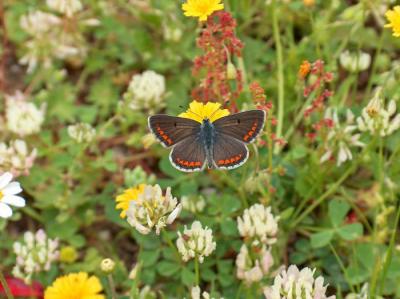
x: 214, y: 144
x: 207, y: 138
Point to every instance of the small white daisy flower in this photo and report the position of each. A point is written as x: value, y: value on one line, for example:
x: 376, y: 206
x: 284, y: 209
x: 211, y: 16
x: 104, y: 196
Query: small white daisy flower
x: 8, y: 195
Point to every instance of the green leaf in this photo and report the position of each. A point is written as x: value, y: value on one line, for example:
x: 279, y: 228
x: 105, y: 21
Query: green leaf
x: 229, y: 227
x: 321, y: 239
x: 351, y: 231
x: 286, y: 213
x: 337, y: 211
x: 149, y: 257
x: 187, y: 277
x: 166, y: 268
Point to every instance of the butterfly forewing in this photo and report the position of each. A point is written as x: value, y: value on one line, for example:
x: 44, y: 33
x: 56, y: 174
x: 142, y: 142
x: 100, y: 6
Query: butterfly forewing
x: 189, y: 155
x: 244, y: 126
x: 228, y: 152
x: 170, y: 130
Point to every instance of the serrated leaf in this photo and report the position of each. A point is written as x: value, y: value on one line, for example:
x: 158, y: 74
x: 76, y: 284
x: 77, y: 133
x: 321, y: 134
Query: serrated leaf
x: 321, y: 239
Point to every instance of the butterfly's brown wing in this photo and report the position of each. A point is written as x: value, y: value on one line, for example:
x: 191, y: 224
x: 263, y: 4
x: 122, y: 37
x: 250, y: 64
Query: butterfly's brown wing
x: 170, y: 130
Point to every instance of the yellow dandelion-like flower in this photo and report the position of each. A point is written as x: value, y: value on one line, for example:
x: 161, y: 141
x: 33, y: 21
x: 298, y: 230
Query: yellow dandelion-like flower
x: 393, y: 17
x: 125, y: 198
x: 75, y: 286
x: 199, y: 111
x: 201, y: 9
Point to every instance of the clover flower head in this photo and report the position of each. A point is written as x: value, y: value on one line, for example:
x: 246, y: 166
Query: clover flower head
x: 67, y: 7
x: 16, y: 158
x: 196, y: 293
x: 258, y: 224
x: 34, y: 254
x: 377, y: 119
x: 37, y: 22
x: 9, y: 195
x: 355, y: 62
x: 147, y: 208
x: 341, y: 137
x: 253, y: 267
x: 291, y: 282
x: 195, y: 242
x: 146, y: 91
x: 194, y: 204
x: 23, y: 117
x: 82, y: 132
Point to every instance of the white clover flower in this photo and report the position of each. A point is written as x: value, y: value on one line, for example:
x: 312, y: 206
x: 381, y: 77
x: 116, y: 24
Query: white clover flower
x: 378, y: 120
x: 253, y: 267
x: 195, y: 242
x: 67, y: 7
x: 258, y: 224
x: 146, y: 91
x: 194, y: 204
x: 8, y: 195
x: 34, y: 254
x: 354, y: 62
x: 289, y: 284
x: 341, y: 137
x: 23, y: 118
x: 196, y: 293
x: 50, y: 38
x: 82, y: 132
x: 152, y: 209
x: 16, y: 158
x: 37, y: 22
x: 362, y: 295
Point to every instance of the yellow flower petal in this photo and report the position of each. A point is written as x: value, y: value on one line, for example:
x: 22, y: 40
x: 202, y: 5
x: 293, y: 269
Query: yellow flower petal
x: 199, y: 111
x: 201, y: 8
x: 123, y: 200
x: 75, y: 286
x: 393, y: 16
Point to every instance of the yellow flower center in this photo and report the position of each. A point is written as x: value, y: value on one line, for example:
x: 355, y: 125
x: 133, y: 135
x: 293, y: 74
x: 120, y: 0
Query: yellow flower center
x: 123, y: 200
x: 199, y: 111
x: 1, y: 195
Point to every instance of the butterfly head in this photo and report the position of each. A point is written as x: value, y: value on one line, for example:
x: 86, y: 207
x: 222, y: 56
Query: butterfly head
x: 200, y: 112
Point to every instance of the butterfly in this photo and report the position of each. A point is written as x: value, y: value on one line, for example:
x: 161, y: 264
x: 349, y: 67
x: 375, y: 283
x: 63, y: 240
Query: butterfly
x: 219, y: 144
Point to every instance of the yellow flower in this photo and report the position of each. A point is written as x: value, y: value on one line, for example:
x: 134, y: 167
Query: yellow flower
x: 201, y: 8
x: 393, y: 17
x: 125, y: 198
x: 75, y: 286
x: 199, y: 111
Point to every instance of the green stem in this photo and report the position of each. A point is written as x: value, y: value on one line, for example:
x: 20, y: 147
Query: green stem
x: 112, y: 286
x: 279, y: 57
x: 374, y: 63
x: 196, y: 270
x: 389, y: 253
x: 5, y: 286
x: 342, y: 267
x: 329, y: 192
x: 172, y: 246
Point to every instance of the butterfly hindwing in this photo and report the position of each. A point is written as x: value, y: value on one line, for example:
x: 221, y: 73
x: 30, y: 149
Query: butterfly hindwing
x: 228, y: 152
x: 189, y: 155
x: 244, y: 126
x: 170, y: 130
